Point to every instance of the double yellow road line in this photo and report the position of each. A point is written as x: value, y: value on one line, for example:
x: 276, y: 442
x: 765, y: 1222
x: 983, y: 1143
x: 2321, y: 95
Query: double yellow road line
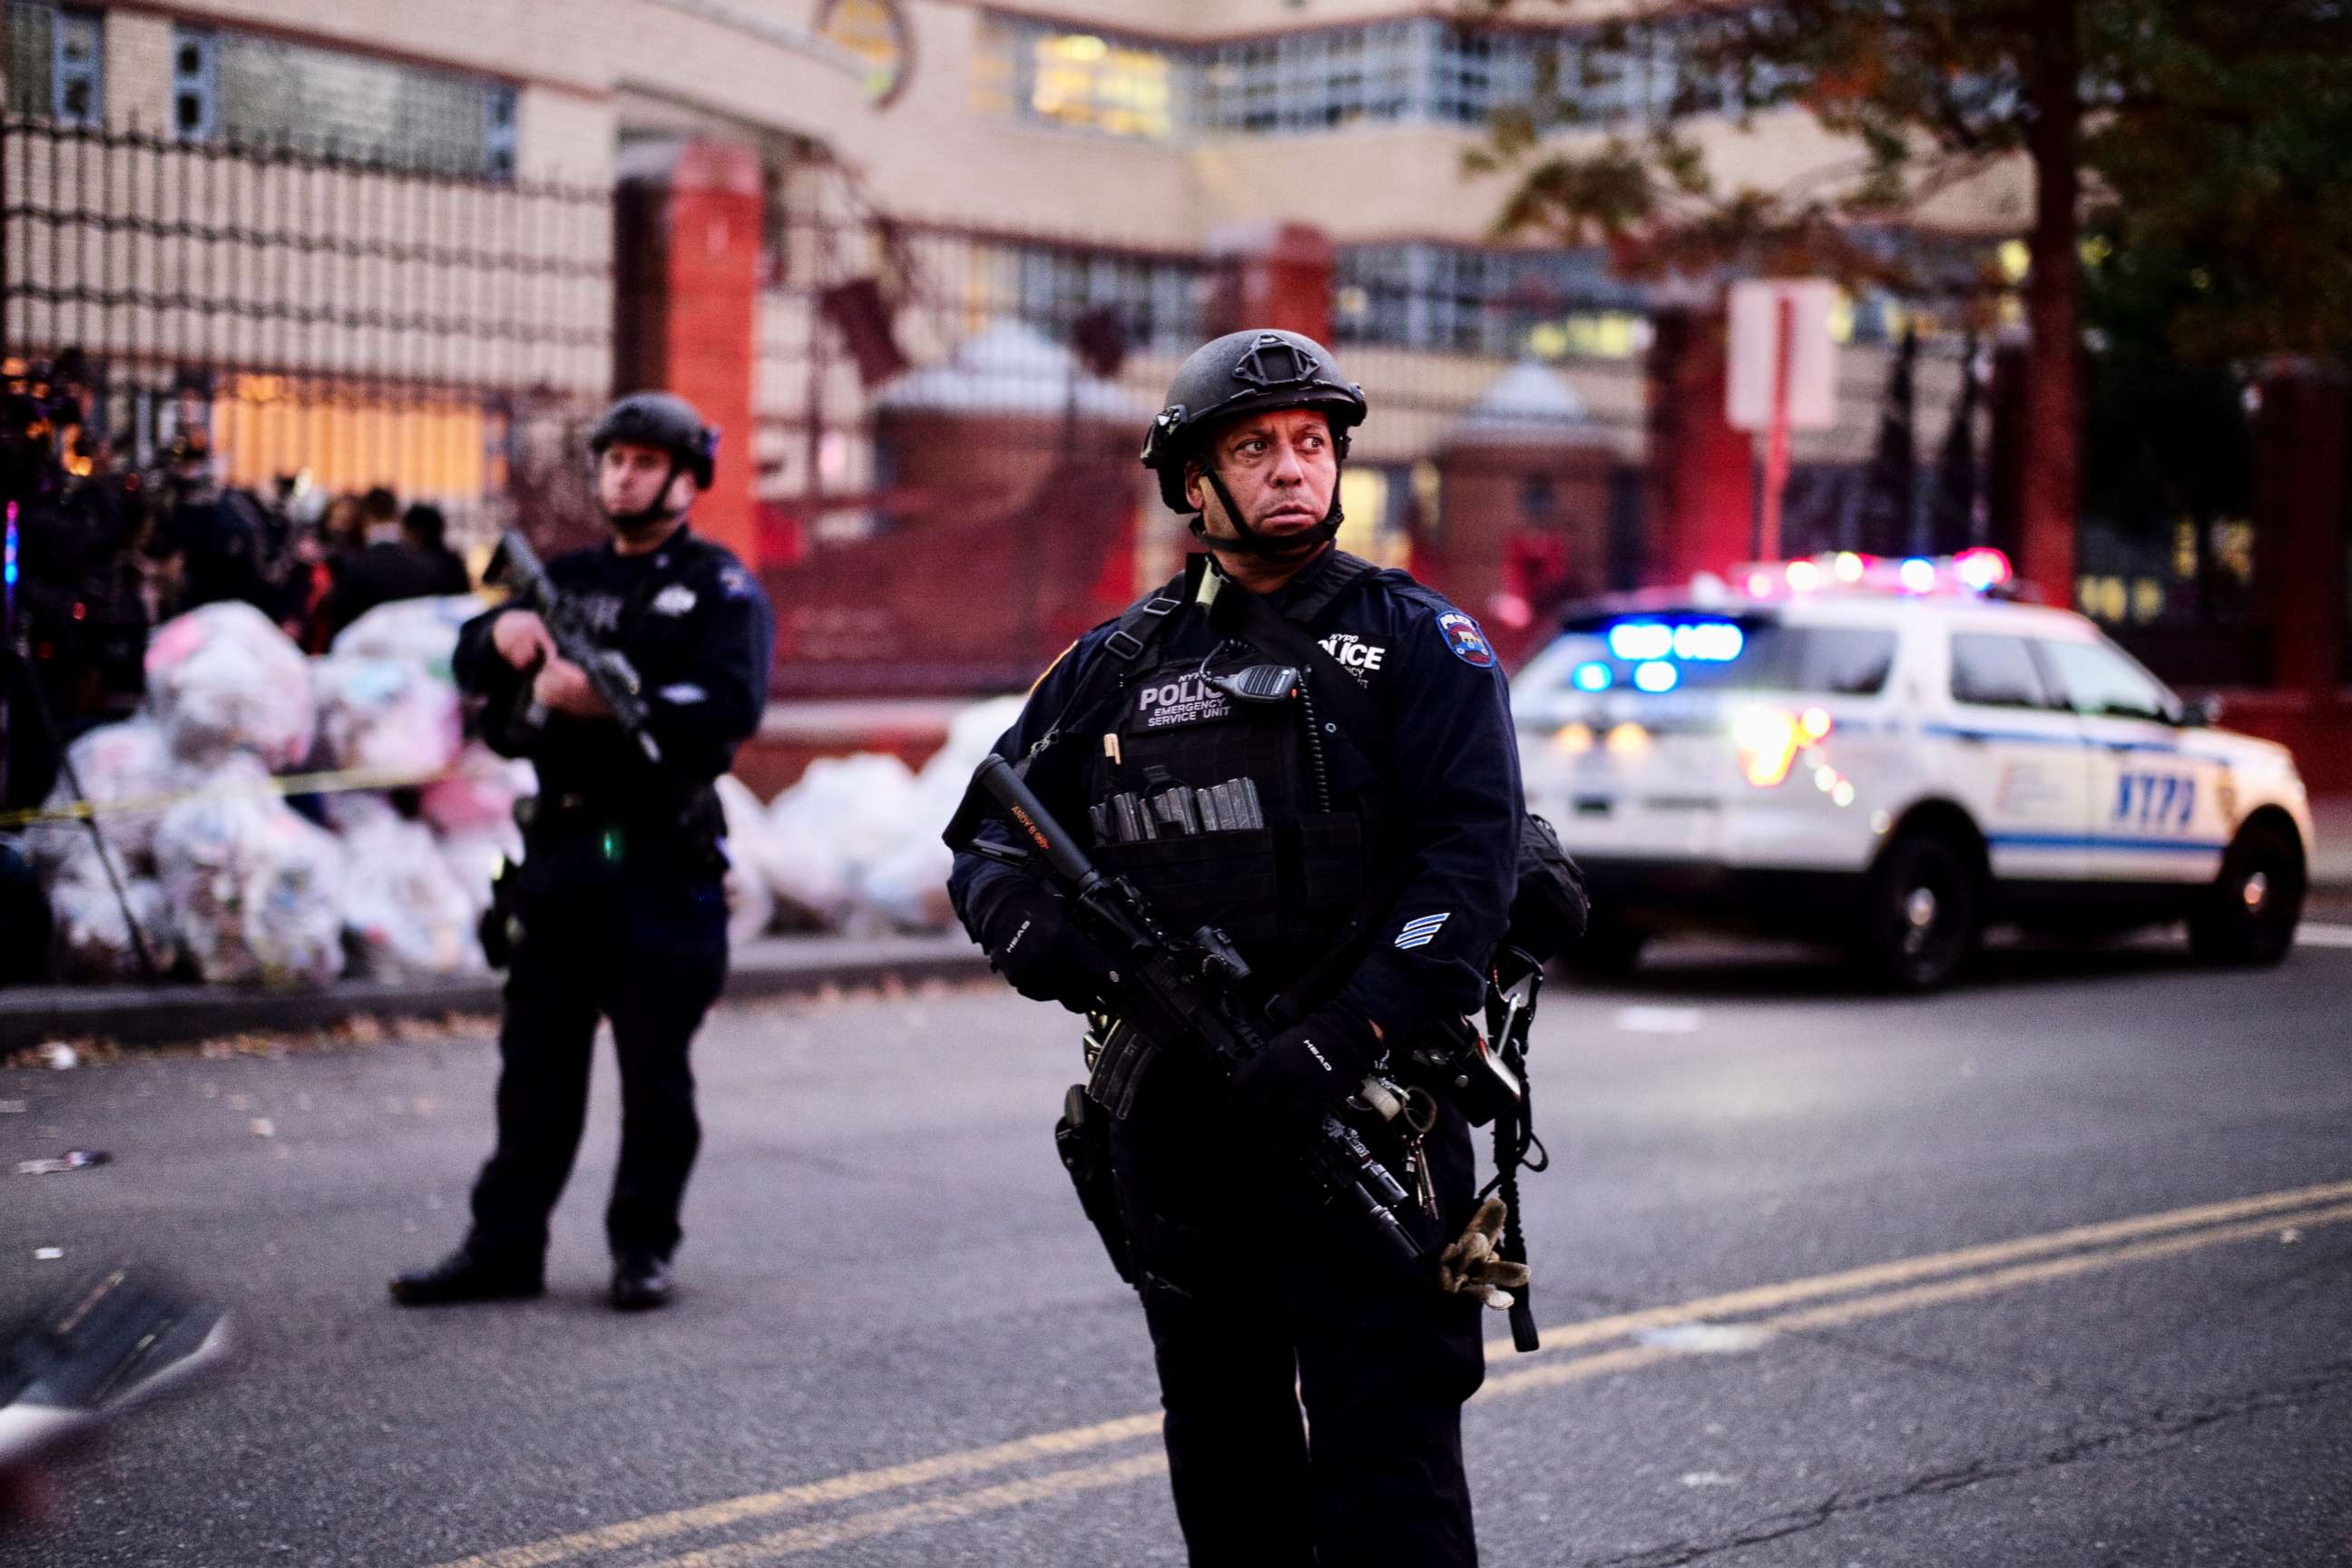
x: 1823, y: 1301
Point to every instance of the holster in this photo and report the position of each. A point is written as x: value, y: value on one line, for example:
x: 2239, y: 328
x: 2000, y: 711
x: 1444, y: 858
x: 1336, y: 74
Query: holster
x: 501, y: 928
x: 1082, y: 1138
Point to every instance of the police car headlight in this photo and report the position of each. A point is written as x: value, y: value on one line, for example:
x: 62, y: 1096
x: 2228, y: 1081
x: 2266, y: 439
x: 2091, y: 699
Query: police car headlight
x: 1767, y: 741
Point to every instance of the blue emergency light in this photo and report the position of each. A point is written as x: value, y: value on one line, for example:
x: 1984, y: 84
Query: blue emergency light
x: 1692, y: 642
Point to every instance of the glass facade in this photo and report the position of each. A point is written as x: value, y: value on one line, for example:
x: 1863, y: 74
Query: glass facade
x: 1409, y: 70
x: 1499, y: 303
x: 267, y: 92
x: 1155, y: 301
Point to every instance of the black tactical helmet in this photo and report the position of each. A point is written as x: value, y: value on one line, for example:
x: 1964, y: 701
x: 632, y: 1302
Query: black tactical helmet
x: 1246, y: 373
x: 658, y: 420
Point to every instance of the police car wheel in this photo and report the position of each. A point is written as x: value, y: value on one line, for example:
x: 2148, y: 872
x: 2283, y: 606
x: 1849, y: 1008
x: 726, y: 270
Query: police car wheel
x: 2248, y: 915
x: 1919, y: 915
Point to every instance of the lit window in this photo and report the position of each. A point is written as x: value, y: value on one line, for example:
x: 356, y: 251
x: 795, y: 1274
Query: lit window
x: 1080, y: 79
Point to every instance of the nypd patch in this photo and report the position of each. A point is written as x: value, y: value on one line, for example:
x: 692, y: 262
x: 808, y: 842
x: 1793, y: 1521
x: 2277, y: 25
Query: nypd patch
x: 1464, y: 640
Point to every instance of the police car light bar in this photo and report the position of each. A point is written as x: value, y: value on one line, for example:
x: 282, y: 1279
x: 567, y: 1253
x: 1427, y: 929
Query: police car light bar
x: 1978, y: 570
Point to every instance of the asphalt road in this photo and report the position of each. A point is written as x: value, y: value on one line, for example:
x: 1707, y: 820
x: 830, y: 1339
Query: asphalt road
x: 2055, y: 1268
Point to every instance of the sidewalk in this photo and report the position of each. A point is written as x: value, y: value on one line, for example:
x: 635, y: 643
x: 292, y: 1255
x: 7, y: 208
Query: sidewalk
x: 160, y: 1015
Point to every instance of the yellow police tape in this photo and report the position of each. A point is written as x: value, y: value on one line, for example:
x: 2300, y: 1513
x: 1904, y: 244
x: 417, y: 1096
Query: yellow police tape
x: 342, y: 781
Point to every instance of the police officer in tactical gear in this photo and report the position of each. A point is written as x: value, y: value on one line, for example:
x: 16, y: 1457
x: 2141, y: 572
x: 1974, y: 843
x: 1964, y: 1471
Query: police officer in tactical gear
x: 1366, y: 878
x: 616, y: 910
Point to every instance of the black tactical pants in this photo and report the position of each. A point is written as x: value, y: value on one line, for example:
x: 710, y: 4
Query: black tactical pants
x: 644, y: 946
x: 1257, y: 1297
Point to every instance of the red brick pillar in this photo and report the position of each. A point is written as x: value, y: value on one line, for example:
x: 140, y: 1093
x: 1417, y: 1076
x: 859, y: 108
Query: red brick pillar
x: 686, y: 240
x: 1274, y: 275
x: 1701, y: 484
x: 2299, y: 507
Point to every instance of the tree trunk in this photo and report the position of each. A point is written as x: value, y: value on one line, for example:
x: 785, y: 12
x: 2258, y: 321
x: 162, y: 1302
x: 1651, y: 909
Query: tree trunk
x: 2052, y: 425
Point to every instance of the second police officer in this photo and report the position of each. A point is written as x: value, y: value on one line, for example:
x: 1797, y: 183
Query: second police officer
x: 616, y: 910
x: 1255, y: 1297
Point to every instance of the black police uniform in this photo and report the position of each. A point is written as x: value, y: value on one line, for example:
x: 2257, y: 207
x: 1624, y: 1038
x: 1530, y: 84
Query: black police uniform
x: 619, y: 899
x: 1248, y: 1286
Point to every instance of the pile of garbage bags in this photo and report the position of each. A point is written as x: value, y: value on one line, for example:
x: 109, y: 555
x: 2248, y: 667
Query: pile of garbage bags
x: 855, y: 846
x: 228, y: 867
x: 234, y: 870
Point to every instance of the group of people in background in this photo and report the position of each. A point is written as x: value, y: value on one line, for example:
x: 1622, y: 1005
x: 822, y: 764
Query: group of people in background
x: 370, y: 551
x: 107, y: 548
x: 313, y: 570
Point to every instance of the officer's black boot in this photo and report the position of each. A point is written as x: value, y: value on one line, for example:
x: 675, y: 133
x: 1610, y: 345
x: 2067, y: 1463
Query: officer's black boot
x: 466, y: 1276
x: 640, y: 1281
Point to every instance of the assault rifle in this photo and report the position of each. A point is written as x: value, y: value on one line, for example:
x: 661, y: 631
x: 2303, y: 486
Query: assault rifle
x: 516, y: 567
x: 1195, y: 983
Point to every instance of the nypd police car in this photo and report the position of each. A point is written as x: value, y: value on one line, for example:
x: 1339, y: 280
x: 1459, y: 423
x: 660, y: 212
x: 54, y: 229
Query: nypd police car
x: 1890, y: 756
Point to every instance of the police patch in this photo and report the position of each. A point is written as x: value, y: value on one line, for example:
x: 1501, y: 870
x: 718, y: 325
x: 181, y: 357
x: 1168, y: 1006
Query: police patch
x: 674, y: 600
x: 1185, y: 700
x: 1464, y: 640
x: 735, y: 582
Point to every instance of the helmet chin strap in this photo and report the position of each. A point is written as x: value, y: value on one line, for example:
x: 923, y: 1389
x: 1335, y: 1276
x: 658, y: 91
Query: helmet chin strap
x: 655, y: 511
x: 1251, y: 542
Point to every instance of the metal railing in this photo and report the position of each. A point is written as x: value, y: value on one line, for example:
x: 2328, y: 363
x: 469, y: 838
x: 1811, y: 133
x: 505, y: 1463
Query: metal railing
x: 367, y: 321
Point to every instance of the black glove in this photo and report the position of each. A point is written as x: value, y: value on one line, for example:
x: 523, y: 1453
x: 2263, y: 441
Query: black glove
x: 1306, y: 1072
x: 1030, y: 940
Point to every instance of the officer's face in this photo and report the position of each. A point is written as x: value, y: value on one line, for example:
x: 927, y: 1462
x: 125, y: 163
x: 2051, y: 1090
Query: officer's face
x: 1280, y: 470
x: 632, y: 476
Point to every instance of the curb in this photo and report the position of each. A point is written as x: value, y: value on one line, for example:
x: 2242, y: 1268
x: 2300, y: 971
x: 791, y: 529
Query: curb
x: 165, y: 1014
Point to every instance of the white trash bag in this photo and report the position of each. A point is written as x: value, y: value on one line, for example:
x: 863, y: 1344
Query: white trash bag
x: 475, y: 855
x: 845, y: 814
x: 414, y: 631
x: 222, y: 679
x: 908, y: 887
x: 93, y: 943
x: 126, y: 761
x: 255, y: 887
x: 406, y: 909
x: 939, y: 787
x: 751, y: 906
x: 806, y: 871
x: 482, y: 795
x: 385, y: 715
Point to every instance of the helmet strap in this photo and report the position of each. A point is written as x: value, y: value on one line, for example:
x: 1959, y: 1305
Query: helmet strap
x: 1251, y: 542
x: 659, y: 509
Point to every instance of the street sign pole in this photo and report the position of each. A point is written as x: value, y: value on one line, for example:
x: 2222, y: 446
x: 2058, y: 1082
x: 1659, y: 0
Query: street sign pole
x: 1782, y: 378
x: 1776, y: 441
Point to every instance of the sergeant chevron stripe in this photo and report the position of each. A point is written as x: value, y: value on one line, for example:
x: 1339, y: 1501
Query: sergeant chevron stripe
x: 1421, y: 933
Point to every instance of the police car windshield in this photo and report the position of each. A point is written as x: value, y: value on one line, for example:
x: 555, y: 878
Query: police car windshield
x: 1697, y: 650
